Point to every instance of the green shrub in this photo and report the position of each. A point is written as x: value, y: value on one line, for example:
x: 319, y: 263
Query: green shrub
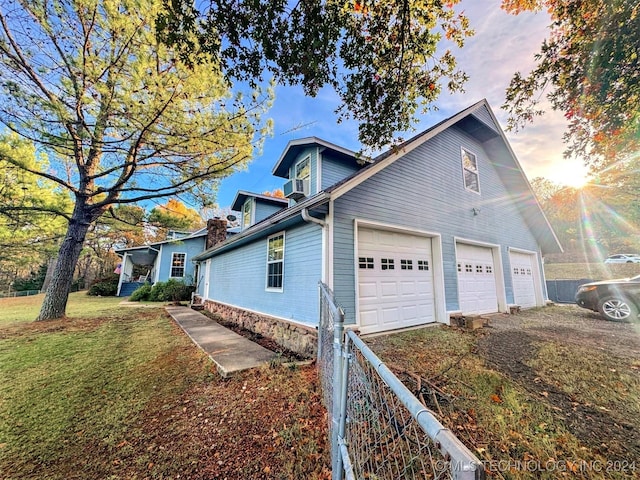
x: 142, y: 293
x: 105, y: 287
x: 170, y: 291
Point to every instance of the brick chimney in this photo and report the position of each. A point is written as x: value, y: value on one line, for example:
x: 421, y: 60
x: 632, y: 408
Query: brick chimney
x: 216, y: 231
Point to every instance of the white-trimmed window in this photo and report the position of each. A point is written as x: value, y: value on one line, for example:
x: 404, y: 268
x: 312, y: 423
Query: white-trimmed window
x: 247, y: 213
x: 178, y: 262
x: 275, y: 262
x: 303, y: 172
x: 470, y: 171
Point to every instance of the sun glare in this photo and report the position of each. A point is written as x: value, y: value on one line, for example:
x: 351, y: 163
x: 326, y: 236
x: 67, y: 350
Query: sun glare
x: 570, y: 175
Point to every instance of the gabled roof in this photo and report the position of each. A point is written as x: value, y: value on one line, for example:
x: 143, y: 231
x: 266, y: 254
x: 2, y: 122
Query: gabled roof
x: 294, y: 147
x: 509, y: 169
x: 242, y: 196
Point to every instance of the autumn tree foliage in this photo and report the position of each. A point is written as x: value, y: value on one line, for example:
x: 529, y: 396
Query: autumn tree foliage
x: 386, y: 60
x: 587, y: 68
x: 174, y: 215
x: 596, y: 220
x: 122, y: 117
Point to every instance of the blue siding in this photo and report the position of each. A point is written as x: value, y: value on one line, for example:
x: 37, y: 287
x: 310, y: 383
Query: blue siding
x: 264, y: 210
x: 191, y: 247
x: 424, y: 190
x: 238, y: 277
x: 334, y: 170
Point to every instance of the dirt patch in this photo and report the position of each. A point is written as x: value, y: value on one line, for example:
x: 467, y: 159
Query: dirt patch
x: 510, y: 343
x: 52, y: 326
x: 263, y: 424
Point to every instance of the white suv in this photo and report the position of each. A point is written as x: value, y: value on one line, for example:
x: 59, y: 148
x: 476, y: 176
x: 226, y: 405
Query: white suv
x: 623, y: 258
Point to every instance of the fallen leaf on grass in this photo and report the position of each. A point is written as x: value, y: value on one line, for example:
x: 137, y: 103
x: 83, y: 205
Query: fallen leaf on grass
x: 495, y: 398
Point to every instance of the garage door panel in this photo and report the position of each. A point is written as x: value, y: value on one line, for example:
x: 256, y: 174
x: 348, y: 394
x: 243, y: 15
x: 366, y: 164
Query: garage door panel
x: 391, y: 315
x: 369, y: 317
x: 389, y: 289
x: 368, y: 291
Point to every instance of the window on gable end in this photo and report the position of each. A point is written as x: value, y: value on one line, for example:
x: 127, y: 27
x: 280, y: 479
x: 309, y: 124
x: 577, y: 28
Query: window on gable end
x: 470, y: 171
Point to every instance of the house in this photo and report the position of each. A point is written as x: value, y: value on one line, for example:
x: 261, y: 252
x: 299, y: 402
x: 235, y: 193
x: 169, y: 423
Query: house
x: 170, y: 258
x: 445, y: 224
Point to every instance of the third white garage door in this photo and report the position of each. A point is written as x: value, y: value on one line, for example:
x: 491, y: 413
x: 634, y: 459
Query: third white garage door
x: 522, y: 274
x: 395, y: 280
x: 477, y: 292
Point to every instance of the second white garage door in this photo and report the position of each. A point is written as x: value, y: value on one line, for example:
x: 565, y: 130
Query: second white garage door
x: 395, y: 280
x: 477, y: 291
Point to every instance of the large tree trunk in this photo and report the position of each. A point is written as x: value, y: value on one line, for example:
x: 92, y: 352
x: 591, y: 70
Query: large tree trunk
x: 55, y: 300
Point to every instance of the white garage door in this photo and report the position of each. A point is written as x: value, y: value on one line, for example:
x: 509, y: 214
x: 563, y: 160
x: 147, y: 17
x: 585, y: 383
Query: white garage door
x: 476, y: 279
x: 524, y: 287
x: 395, y: 280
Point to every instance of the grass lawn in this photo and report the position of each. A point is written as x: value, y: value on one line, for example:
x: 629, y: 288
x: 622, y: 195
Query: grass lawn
x: 122, y: 393
x: 593, y: 271
x: 80, y: 305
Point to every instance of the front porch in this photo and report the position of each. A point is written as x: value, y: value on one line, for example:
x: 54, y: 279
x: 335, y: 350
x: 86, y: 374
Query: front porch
x: 137, y: 268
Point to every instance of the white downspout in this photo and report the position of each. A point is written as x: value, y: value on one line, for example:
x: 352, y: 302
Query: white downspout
x: 309, y: 219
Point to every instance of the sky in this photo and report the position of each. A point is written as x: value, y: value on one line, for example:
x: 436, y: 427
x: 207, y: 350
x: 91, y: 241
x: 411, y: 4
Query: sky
x: 503, y: 44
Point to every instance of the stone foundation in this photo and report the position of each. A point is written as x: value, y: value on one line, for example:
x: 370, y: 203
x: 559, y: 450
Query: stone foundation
x: 292, y: 336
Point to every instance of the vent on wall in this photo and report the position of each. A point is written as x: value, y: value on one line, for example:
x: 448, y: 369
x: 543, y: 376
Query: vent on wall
x: 294, y: 188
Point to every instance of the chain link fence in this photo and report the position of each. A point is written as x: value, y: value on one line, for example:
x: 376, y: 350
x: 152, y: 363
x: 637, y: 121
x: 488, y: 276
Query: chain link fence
x: 379, y: 429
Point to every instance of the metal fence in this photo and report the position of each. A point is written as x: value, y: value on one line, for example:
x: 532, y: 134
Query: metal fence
x: 21, y: 293
x: 564, y: 291
x: 379, y: 429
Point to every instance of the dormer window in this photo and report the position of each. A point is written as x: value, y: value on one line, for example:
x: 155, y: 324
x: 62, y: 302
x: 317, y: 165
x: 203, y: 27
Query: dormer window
x: 470, y: 171
x: 247, y: 213
x: 303, y: 172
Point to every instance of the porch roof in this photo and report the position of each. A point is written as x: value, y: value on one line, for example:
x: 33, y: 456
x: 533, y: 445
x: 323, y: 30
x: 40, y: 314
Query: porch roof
x: 144, y: 255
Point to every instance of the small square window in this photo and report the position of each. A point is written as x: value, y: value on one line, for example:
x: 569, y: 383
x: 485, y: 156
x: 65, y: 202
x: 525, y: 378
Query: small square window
x: 528, y: 271
x: 459, y: 267
x: 468, y: 268
x: 479, y: 269
x: 516, y: 271
x: 488, y: 269
x: 406, y: 264
x: 366, y: 262
x: 424, y: 265
x: 387, y: 264
x: 522, y: 271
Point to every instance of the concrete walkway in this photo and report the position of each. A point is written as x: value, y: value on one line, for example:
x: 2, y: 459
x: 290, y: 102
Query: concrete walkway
x: 229, y: 351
